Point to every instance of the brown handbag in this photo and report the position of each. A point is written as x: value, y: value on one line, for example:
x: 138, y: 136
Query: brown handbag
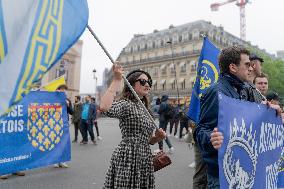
x: 161, y: 160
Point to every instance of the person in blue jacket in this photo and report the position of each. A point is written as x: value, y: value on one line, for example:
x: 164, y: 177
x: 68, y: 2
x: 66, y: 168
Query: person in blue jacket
x: 235, y: 71
x: 235, y: 68
x: 88, y: 116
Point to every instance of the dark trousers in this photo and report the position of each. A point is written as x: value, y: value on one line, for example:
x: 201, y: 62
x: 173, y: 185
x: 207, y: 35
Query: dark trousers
x: 183, y: 125
x: 200, y: 173
x: 97, y: 128
x: 76, y: 128
x: 163, y: 125
x: 213, y: 182
x: 85, y: 128
x: 174, y: 122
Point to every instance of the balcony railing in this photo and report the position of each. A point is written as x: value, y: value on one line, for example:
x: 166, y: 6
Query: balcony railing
x: 170, y: 92
x: 165, y: 57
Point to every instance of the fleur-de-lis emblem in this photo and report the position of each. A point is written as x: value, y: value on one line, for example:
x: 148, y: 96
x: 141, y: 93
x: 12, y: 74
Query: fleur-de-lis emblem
x: 39, y: 123
x: 52, y: 135
x: 57, y: 128
x: 51, y: 123
x: 46, y: 129
x: 46, y: 143
x: 41, y: 110
x: 33, y: 131
x: 40, y: 137
x: 45, y: 125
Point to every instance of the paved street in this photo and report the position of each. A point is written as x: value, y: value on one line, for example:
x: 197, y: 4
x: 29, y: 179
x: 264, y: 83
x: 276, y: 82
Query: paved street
x: 89, y: 164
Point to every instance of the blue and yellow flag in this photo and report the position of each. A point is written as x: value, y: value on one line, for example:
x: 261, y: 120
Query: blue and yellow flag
x: 53, y: 85
x: 207, y: 74
x: 33, y: 37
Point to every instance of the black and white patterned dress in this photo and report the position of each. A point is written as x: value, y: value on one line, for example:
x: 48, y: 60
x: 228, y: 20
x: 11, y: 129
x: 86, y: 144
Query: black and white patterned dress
x: 131, y: 162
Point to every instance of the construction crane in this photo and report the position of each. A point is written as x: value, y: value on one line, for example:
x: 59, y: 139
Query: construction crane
x: 241, y: 4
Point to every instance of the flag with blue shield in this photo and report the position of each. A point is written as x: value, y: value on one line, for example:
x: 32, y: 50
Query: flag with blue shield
x: 33, y: 37
x: 207, y: 74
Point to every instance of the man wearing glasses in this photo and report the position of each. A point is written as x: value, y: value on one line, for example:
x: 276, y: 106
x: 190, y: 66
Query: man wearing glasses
x: 256, y: 62
x: 255, y: 93
x: 236, y: 68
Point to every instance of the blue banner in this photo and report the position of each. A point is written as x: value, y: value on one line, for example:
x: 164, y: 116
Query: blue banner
x: 35, y: 133
x: 253, y: 142
x: 207, y: 74
x: 281, y: 173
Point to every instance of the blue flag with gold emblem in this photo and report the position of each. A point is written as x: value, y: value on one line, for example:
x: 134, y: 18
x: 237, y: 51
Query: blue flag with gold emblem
x: 35, y: 133
x: 207, y: 74
x: 33, y: 36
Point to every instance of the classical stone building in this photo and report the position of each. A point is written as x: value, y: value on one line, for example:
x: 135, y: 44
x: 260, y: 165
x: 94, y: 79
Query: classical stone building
x: 171, y: 55
x: 70, y: 66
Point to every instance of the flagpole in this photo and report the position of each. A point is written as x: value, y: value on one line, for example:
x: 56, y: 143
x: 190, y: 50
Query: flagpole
x: 124, y: 78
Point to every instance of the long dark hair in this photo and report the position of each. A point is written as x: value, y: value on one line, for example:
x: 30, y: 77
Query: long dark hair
x: 132, y: 78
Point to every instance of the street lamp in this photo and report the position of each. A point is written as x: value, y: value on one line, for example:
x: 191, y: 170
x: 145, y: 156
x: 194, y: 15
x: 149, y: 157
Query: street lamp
x: 95, y: 77
x: 171, y: 45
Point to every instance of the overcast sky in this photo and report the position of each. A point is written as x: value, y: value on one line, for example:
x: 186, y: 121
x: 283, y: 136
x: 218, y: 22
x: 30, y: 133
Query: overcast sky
x: 116, y: 21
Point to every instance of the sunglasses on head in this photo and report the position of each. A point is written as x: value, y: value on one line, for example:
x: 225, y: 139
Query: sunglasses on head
x: 144, y: 81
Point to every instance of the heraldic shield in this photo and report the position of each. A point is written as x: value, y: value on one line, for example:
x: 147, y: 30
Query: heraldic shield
x: 45, y: 125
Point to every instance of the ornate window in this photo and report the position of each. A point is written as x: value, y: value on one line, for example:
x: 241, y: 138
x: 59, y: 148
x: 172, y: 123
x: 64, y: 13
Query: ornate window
x: 193, y: 66
x: 183, y: 84
x: 182, y: 66
x: 62, y: 69
x: 155, y: 72
x: 180, y: 38
x: 164, y: 69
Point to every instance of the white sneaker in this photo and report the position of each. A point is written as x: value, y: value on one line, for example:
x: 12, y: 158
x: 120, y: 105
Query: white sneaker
x: 157, y: 151
x: 56, y: 165
x: 63, y: 165
x: 4, y: 177
x: 100, y: 138
x: 171, y: 150
x: 176, y: 136
x: 192, y: 165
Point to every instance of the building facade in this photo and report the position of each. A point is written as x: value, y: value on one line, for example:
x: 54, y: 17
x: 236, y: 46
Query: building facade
x: 171, y: 56
x: 70, y: 66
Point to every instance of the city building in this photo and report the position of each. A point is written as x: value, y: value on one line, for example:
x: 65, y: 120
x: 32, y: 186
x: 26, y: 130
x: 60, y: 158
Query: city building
x: 70, y: 66
x: 171, y: 56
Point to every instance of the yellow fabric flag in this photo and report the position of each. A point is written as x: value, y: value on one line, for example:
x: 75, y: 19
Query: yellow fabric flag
x: 53, y: 85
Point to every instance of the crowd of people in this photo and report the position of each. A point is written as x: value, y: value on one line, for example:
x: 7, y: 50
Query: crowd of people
x: 131, y: 166
x: 241, y: 77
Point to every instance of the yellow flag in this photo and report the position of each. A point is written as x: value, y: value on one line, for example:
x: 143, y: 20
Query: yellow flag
x: 53, y: 85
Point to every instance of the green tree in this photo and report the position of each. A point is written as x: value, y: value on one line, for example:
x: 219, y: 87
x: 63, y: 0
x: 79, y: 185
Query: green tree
x: 275, y: 71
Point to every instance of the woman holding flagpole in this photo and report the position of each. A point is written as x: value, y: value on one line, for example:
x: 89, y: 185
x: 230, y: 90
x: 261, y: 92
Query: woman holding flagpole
x: 131, y: 163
